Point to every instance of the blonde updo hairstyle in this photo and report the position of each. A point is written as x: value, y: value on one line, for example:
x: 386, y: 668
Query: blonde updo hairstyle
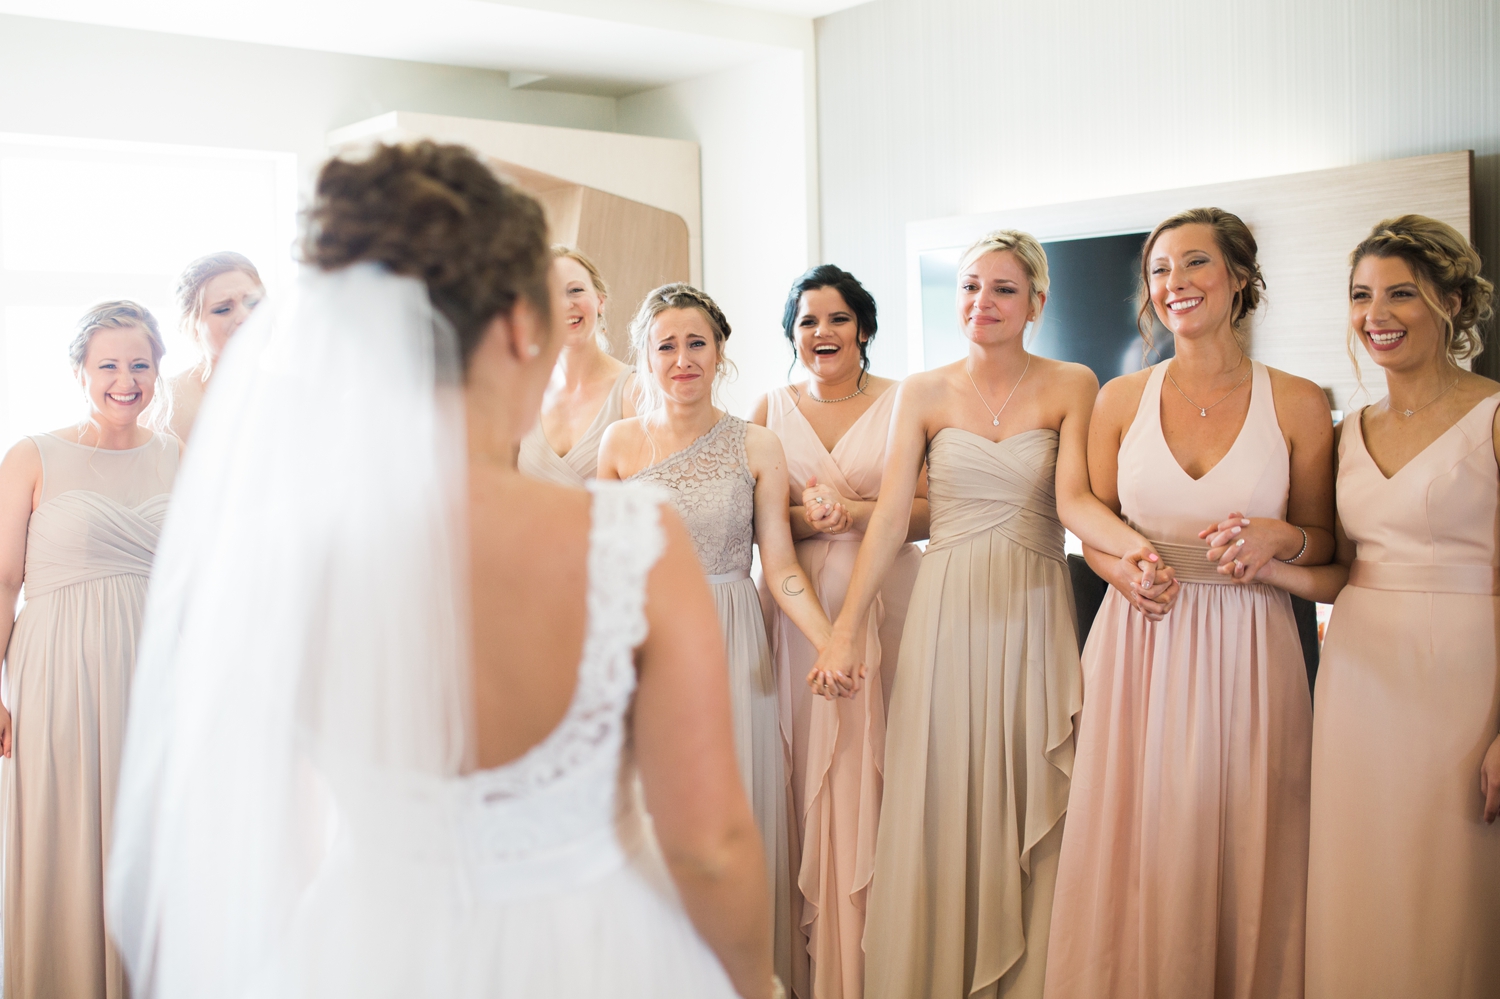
x: 1445, y: 266
x: 601, y: 289
x: 195, y: 277
x: 119, y: 315
x: 1027, y: 250
x: 663, y: 299
x: 1237, y: 244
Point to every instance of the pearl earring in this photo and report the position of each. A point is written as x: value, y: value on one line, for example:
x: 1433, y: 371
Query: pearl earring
x: 534, y: 350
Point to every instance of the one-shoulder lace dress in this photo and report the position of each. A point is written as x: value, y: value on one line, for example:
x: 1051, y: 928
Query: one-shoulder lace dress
x: 713, y: 490
x: 533, y: 879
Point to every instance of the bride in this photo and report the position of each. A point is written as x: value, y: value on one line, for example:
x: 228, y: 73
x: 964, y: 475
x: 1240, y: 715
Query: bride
x: 392, y: 696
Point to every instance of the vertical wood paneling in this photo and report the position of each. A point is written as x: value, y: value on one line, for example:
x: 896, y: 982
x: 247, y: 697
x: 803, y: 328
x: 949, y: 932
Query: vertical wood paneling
x: 930, y: 108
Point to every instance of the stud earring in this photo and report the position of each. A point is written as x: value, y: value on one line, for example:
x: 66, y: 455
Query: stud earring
x: 534, y: 350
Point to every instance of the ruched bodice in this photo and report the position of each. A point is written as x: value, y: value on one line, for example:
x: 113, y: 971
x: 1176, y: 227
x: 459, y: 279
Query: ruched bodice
x: 714, y: 492
x: 975, y: 484
x: 581, y: 463
x: 81, y: 536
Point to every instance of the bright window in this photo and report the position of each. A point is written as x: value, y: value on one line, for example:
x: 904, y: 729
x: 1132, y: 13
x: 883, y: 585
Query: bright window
x: 86, y: 221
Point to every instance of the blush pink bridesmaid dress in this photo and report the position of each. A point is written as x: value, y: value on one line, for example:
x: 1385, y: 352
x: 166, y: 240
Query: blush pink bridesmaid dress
x: 836, y: 749
x: 1403, y: 893
x: 1184, y: 861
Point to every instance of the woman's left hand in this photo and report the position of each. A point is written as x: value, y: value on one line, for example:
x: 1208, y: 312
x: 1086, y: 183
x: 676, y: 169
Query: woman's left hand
x: 827, y: 510
x: 1489, y: 781
x: 1242, y: 545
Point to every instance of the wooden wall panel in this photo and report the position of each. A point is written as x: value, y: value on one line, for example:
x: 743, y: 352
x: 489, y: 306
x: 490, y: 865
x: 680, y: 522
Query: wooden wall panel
x: 1305, y: 225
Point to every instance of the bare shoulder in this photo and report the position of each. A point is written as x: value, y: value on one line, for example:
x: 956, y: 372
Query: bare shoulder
x: 760, y: 411
x: 1299, y: 397
x: 23, y: 459
x: 1121, y: 397
x: 922, y: 387
x: 762, y: 445
x: 1067, y: 377
x: 876, y: 386
x: 622, y: 440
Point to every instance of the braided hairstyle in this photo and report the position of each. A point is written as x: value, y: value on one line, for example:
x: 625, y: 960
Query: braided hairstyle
x: 1445, y: 266
x: 1235, y: 241
x: 672, y: 296
x: 435, y: 212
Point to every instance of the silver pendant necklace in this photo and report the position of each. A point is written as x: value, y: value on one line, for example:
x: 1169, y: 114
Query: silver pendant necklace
x: 1203, y: 410
x: 1409, y: 413
x: 993, y: 413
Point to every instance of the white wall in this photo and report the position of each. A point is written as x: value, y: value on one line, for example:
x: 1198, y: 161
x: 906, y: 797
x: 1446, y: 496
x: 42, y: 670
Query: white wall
x: 59, y: 78
x: 931, y: 108
x: 759, y: 232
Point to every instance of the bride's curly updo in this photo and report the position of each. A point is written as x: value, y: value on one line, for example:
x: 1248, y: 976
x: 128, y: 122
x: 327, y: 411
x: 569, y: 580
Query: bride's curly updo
x: 435, y: 212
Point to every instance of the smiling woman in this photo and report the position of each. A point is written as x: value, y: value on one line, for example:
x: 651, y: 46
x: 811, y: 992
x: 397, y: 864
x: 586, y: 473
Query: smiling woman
x: 80, y: 512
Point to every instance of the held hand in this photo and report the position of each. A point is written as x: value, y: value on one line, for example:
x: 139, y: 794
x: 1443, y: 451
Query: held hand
x: 6, y: 733
x: 826, y: 510
x: 1489, y: 781
x: 1242, y: 545
x: 1150, y: 586
x: 838, y: 671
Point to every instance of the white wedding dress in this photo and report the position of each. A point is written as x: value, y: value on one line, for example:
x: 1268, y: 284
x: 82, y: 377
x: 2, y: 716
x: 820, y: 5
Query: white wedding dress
x: 297, y: 815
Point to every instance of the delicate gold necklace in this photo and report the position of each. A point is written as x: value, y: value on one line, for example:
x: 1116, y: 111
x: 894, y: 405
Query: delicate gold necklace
x: 1409, y: 413
x: 1203, y: 410
x: 986, y: 405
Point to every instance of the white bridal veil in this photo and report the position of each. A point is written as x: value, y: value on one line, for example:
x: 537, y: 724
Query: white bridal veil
x: 306, y: 626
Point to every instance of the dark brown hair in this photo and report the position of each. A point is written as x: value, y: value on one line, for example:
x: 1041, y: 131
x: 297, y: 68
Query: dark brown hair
x: 435, y: 212
x: 1234, y: 240
x: 1445, y: 265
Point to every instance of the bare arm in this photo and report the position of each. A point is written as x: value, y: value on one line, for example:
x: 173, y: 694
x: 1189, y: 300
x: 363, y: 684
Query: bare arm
x: 1320, y: 583
x: 905, y: 452
x: 685, y: 752
x: 617, y: 439
x: 20, y: 487
x: 789, y: 585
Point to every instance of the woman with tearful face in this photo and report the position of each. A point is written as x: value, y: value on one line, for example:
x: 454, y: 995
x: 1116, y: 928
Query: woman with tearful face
x: 81, y: 510
x: 1184, y: 865
x: 589, y: 389
x: 1403, y: 892
x: 215, y: 295
x: 728, y: 480
x: 979, y: 745
x: 834, y: 427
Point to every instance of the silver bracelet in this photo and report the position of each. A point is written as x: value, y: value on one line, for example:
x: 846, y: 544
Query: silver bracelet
x: 1300, y: 552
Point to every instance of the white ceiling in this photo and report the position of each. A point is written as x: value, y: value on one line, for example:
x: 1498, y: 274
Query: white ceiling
x: 614, y: 48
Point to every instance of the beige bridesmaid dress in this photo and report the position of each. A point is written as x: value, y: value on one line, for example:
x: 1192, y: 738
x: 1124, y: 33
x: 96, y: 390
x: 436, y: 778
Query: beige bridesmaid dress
x: 581, y: 463
x: 1403, y: 894
x: 711, y: 487
x: 89, y: 547
x: 979, y: 745
x: 836, y: 748
x: 1184, y: 864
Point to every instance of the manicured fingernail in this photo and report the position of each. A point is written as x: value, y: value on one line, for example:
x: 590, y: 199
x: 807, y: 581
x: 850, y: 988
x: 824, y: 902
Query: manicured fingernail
x: 1240, y: 542
x: 1235, y: 530
x: 1245, y: 523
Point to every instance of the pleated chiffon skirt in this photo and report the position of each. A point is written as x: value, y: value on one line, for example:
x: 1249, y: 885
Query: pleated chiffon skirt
x: 979, y: 752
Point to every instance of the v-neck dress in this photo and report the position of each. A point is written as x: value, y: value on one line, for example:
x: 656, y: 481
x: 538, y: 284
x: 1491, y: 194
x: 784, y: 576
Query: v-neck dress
x: 1403, y: 891
x: 581, y: 463
x: 836, y: 749
x: 979, y: 744
x: 89, y: 547
x: 1184, y: 863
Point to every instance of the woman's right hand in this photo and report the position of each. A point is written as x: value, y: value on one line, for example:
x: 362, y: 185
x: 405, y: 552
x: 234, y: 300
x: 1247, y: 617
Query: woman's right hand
x: 824, y: 509
x: 838, y: 671
x: 1150, y: 586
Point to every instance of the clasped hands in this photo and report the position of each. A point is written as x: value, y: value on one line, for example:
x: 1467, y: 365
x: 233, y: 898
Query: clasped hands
x: 825, y: 509
x: 1243, y: 545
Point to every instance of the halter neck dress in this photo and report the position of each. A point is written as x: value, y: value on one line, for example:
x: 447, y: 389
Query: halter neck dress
x: 979, y: 744
x: 713, y: 490
x: 836, y: 748
x: 89, y: 547
x: 1184, y: 864
x: 581, y: 463
x: 1403, y: 895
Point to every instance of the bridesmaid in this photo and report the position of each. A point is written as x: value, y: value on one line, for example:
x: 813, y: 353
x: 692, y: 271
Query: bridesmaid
x: 215, y: 295
x: 834, y: 428
x: 80, y: 512
x: 728, y: 480
x: 1183, y: 869
x: 1403, y: 893
x: 589, y: 389
x: 979, y: 746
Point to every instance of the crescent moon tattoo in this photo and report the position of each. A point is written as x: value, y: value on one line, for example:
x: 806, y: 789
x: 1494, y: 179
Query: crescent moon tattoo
x: 786, y: 587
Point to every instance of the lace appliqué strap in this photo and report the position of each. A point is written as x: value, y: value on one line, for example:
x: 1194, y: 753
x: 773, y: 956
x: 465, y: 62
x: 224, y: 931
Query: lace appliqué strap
x: 625, y: 542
